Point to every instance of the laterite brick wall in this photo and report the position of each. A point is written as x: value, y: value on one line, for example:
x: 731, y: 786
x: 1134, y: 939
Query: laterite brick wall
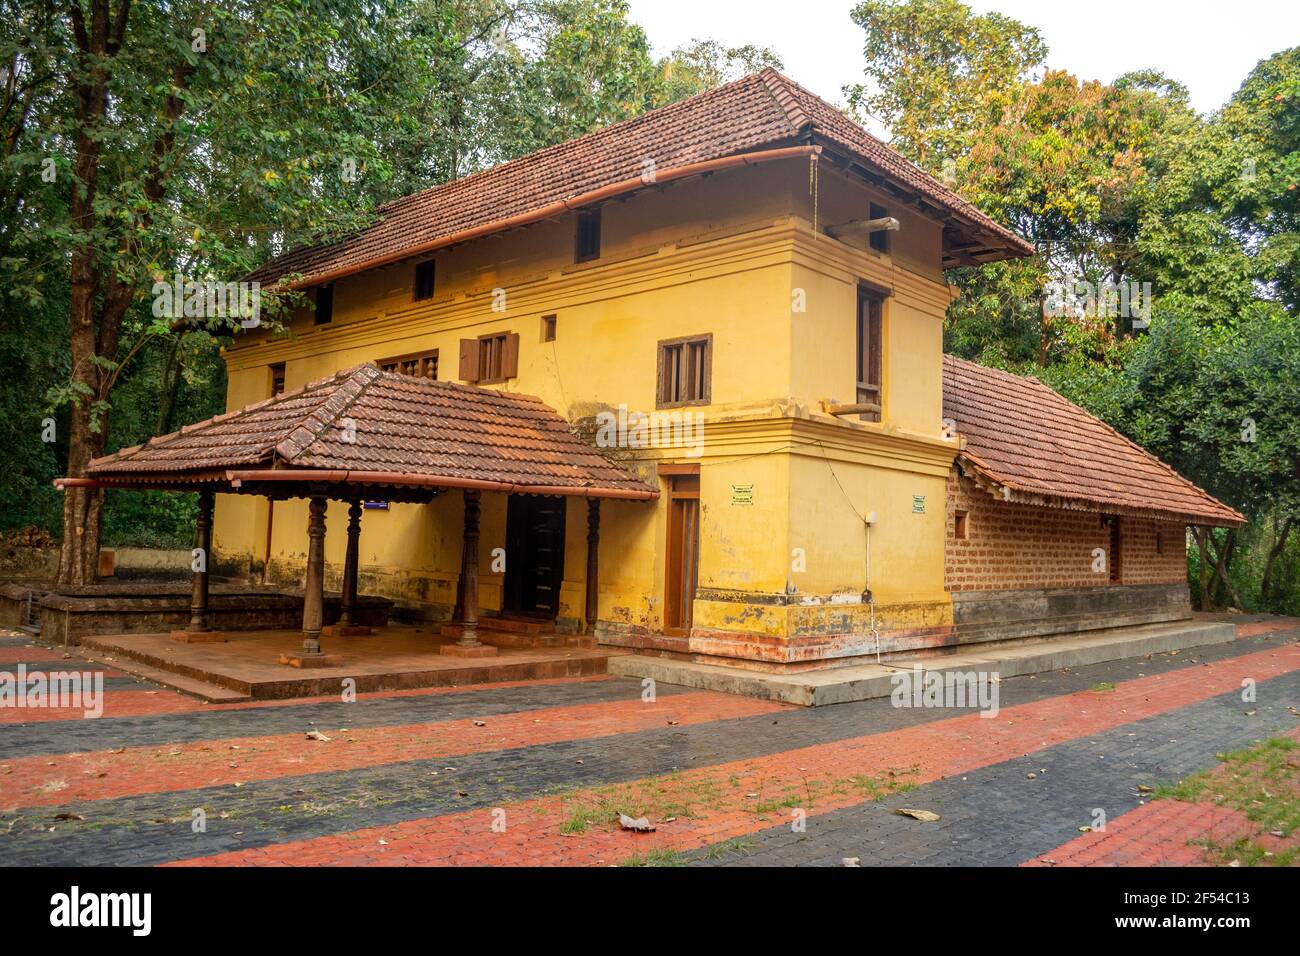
x: 1010, y: 545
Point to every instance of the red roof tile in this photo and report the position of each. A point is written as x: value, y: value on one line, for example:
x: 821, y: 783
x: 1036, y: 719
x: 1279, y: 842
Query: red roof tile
x: 1021, y: 435
x: 762, y: 111
x: 404, y: 425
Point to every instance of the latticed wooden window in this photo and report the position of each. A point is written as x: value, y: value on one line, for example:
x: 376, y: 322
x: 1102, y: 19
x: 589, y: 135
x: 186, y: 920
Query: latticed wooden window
x: 870, y: 344
x: 685, y: 371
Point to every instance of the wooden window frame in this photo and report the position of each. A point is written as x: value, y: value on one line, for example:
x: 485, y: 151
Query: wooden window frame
x: 549, y: 326
x: 420, y: 359
x: 961, y: 525
x: 869, y: 351
x: 662, y: 367
x: 277, y: 376
x: 473, y: 359
x: 588, y: 227
x: 426, y: 274
x: 325, y: 292
x: 1116, y: 568
x: 487, y: 346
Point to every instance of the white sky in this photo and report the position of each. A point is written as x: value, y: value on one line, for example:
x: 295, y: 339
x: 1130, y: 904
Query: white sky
x: 1208, y: 45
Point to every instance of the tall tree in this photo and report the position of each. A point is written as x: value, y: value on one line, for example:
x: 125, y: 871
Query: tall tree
x: 930, y: 66
x: 188, y: 135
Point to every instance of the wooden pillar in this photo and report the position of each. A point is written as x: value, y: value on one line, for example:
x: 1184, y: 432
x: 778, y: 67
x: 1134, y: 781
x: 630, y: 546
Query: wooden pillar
x: 469, y: 571
x: 202, y: 544
x: 199, y: 629
x: 313, y: 594
x: 593, y: 562
x: 348, y: 602
x: 468, y: 644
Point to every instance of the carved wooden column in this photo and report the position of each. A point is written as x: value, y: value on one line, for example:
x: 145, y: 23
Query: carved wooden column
x: 313, y: 597
x: 348, y: 625
x: 203, y: 545
x: 468, y: 645
x: 593, y: 563
x: 199, y: 628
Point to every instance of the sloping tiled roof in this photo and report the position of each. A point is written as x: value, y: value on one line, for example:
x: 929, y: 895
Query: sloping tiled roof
x: 762, y: 111
x: 1021, y: 435
x: 404, y: 425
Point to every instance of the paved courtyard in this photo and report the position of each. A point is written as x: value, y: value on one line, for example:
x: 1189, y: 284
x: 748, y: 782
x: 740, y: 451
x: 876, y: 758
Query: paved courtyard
x: 1073, y: 770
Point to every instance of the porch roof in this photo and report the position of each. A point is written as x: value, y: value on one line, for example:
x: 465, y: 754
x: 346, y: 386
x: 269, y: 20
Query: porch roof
x: 366, y: 427
x: 1028, y: 443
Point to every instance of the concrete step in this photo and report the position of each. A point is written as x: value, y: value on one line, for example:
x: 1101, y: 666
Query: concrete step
x: 836, y: 685
x: 190, y: 686
x: 160, y: 670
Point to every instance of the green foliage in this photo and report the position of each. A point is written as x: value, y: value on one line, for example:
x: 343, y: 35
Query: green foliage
x: 930, y: 64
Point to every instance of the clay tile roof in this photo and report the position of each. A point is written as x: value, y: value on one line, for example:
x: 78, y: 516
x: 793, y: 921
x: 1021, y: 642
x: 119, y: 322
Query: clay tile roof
x: 1023, y: 436
x: 762, y: 111
x: 400, y: 424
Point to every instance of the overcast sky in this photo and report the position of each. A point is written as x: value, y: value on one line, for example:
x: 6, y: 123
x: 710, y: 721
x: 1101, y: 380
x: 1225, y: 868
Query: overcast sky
x: 1208, y: 45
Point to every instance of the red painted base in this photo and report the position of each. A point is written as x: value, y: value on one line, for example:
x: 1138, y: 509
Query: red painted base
x: 457, y: 650
x: 309, y: 660
x: 198, y: 637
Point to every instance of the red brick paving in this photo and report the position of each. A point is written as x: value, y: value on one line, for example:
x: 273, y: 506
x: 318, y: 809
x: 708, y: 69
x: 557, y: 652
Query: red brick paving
x: 1255, y: 628
x: 724, y: 799
x: 10, y: 656
x: 117, y: 703
x: 31, y: 781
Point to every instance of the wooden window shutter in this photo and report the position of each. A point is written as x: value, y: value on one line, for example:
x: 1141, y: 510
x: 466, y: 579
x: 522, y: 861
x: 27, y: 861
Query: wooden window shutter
x: 468, y: 360
x: 510, y: 356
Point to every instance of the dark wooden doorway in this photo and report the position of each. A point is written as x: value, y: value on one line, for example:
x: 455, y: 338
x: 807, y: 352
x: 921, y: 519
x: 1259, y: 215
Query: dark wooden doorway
x: 683, y: 553
x: 534, y: 556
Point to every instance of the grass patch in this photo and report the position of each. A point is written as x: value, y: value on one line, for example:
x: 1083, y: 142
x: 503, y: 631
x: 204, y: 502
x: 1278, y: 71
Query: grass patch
x: 655, y: 858
x: 1259, y: 781
x: 1102, y: 687
x: 739, y: 846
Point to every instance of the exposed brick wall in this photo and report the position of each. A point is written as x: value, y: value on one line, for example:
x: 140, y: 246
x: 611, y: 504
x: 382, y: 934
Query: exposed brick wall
x: 1010, y: 545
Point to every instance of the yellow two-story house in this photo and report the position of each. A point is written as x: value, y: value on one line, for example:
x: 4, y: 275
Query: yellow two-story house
x: 739, y: 299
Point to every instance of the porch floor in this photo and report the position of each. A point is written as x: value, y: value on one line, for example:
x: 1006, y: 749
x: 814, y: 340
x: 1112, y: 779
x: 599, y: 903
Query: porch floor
x: 395, y: 657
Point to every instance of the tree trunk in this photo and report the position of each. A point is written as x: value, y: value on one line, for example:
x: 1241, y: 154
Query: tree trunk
x: 1279, y: 545
x: 171, y: 383
x: 1220, y: 586
x: 1202, y: 565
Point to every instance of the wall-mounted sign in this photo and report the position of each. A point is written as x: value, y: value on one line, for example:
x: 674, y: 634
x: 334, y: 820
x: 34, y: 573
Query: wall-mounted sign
x: 375, y: 505
x: 918, y: 504
x: 742, y: 495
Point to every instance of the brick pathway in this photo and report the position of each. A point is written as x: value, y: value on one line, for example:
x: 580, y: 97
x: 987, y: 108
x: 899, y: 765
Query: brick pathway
x: 533, y: 772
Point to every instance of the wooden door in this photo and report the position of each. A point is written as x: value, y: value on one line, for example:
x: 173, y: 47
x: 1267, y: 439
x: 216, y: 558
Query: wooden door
x: 534, y: 555
x: 682, y: 554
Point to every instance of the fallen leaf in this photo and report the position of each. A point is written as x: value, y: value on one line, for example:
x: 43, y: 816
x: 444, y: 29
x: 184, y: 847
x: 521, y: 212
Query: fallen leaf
x: 640, y: 824
x: 317, y: 735
x: 928, y: 816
